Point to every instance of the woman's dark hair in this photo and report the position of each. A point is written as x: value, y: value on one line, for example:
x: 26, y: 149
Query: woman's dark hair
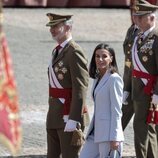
x: 93, y: 69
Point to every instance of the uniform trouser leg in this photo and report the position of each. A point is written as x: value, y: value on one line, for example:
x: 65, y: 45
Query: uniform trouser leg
x: 144, y: 134
x: 127, y: 111
x: 152, y: 132
x: 149, y: 149
x: 157, y: 132
x: 53, y: 144
x: 68, y: 150
x: 59, y: 142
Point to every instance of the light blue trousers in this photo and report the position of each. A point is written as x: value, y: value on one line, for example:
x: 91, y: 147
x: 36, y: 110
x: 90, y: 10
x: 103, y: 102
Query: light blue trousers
x: 97, y: 150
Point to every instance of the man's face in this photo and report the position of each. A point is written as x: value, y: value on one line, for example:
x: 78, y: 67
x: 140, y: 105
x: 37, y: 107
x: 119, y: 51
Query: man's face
x: 144, y: 22
x: 58, y: 31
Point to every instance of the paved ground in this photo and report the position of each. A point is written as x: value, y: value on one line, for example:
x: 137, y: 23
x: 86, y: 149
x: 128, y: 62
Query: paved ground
x: 31, y: 44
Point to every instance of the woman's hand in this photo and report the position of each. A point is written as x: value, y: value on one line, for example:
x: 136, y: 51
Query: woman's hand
x: 114, y: 145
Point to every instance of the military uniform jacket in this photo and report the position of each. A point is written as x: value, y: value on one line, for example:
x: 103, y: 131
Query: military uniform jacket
x: 70, y: 68
x: 127, y: 47
x: 147, y: 53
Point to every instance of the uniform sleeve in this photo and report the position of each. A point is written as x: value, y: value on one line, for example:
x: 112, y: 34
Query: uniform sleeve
x: 126, y: 39
x: 127, y: 75
x: 79, y: 77
x: 128, y: 80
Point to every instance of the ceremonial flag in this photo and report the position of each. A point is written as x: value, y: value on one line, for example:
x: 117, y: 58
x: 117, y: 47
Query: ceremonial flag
x: 10, y: 127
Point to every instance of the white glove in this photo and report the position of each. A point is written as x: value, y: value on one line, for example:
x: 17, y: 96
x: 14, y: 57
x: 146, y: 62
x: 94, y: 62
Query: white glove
x: 154, y: 99
x: 70, y: 126
x: 125, y: 96
x: 65, y: 118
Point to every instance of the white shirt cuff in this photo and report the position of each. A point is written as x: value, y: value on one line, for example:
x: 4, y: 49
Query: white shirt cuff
x: 65, y: 118
x: 70, y: 126
x: 154, y: 99
x: 125, y: 96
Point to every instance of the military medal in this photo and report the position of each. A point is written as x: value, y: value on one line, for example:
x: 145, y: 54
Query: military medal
x: 60, y: 76
x: 60, y: 63
x: 56, y: 69
x: 139, y: 41
x: 64, y: 70
x: 150, y: 52
x: 145, y: 58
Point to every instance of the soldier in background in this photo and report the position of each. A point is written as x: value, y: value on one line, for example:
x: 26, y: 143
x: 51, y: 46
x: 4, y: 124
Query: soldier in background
x: 142, y: 81
x: 127, y: 107
x: 132, y: 32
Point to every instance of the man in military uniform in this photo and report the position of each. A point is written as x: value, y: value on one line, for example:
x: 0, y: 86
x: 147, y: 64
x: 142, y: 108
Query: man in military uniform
x: 142, y: 81
x: 127, y: 107
x: 68, y: 83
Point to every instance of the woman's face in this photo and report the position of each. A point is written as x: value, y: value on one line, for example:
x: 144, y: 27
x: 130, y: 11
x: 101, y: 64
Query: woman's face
x: 103, y: 59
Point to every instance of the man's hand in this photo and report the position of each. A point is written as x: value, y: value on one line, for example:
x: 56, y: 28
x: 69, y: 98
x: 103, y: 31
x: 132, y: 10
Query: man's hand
x: 114, y: 145
x: 70, y: 126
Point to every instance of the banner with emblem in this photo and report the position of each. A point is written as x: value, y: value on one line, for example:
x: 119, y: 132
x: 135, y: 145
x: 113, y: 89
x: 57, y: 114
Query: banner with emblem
x: 10, y: 127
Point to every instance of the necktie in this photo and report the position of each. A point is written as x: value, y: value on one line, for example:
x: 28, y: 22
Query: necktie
x: 58, y: 47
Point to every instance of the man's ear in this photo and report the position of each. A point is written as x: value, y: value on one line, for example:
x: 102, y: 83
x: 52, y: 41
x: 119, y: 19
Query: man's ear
x: 152, y: 17
x: 67, y: 27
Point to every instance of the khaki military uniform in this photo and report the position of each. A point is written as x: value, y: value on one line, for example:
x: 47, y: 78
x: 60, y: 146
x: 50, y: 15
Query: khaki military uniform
x: 70, y: 69
x: 127, y: 46
x: 145, y: 135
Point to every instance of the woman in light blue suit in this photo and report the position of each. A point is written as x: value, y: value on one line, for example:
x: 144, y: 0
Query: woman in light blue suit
x: 105, y: 132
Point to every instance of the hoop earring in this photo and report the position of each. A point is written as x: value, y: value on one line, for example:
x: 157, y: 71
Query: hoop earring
x: 97, y: 73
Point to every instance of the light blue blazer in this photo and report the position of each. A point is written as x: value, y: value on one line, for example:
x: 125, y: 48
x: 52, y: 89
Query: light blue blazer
x: 107, y: 109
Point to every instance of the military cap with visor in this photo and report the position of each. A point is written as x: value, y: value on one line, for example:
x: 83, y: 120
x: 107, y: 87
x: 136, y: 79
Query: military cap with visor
x: 143, y: 7
x: 55, y: 19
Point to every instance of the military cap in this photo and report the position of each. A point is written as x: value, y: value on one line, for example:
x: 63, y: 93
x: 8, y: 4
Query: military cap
x: 143, y: 7
x: 55, y: 19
